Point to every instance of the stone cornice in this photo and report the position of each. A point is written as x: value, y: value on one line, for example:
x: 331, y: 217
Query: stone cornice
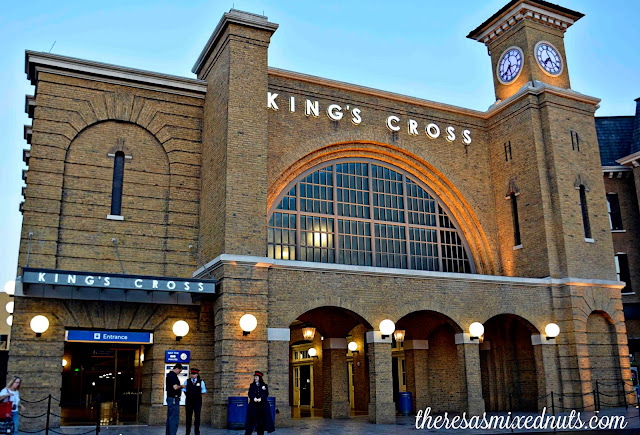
x: 37, y: 61
x: 234, y: 16
x: 305, y: 266
x: 539, y: 11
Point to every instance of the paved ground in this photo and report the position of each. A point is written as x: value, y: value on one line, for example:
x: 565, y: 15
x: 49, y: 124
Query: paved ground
x: 355, y: 426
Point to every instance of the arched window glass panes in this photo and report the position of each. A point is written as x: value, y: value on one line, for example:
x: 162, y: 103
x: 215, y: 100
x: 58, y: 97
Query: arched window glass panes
x: 365, y: 213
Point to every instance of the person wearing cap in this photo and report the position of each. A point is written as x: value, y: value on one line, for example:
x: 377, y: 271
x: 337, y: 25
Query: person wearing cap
x: 194, y: 390
x: 259, y: 412
x: 174, y: 392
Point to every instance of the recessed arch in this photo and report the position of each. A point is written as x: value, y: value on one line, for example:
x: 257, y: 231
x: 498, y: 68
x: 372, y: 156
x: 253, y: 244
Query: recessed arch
x: 461, y: 211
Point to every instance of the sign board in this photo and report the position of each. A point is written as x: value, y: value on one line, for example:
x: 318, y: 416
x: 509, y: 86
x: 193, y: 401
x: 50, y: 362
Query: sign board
x: 177, y: 356
x: 182, y: 377
x: 116, y: 281
x: 90, y: 336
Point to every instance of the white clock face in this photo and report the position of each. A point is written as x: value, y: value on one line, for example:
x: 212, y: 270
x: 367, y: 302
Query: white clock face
x: 510, y: 65
x: 548, y: 58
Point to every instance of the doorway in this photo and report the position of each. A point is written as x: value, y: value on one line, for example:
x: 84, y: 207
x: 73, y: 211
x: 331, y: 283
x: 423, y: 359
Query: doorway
x: 305, y: 385
x: 101, y: 373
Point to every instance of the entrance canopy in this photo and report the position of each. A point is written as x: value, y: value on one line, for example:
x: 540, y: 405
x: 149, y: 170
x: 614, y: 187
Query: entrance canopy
x: 64, y: 284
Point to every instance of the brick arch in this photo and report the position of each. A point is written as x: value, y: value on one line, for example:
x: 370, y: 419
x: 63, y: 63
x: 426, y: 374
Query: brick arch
x: 176, y: 125
x: 411, y: 314
x: 459, y: 207
x: 333, y: 302
x: 86, y: 201
x: 597, y: 300
x: 530, y: 324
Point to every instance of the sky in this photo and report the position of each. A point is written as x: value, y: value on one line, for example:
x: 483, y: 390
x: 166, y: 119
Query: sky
x: 418, y: 48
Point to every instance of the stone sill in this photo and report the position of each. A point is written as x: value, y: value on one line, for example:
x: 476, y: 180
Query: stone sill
x: 114, y: 217
x: 588, y: 240
x: 515, y: 248
x: 618, y: 231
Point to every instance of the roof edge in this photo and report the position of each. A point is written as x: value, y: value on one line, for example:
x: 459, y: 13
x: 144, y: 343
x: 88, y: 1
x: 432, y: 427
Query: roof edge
x: 556, y: 12
x: 35, y: 59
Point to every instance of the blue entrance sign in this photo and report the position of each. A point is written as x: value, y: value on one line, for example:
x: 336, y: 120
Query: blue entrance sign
x: 177, y: 356
x: 88, y: 336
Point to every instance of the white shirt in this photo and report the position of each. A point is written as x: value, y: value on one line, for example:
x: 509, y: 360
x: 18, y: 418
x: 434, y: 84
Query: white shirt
x: 14, y: 396
x: 203, y: 389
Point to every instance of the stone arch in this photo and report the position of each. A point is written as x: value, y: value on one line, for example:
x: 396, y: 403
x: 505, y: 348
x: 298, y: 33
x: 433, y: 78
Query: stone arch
x: 460, y: 208
x: 86, y: 200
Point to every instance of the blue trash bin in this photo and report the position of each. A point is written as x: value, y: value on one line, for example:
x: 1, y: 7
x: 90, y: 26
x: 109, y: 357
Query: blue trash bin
x: 405, y: 403
x: 237, y: 412
x: 272, y: 406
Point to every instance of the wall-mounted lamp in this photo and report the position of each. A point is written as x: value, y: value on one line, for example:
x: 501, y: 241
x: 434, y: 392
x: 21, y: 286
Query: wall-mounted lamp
x: 10, y: 287
x: 313, y: 353
x: 64, y: 362
x: 39, y: 324
x: 308, y: 332
x: 10, y: 320
x: 180, y: 329
x: 552, y: 330
x: 387, y: 327
x: 399, y: 335
x: 353, y: 347
x: 248, y: 323
x: 476, y: 330
x: 9, y: 307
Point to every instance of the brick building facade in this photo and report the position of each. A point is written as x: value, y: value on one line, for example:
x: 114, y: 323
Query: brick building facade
x: 322, y: 208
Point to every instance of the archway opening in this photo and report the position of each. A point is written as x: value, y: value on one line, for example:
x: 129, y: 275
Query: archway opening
x: 604, y: 361
x: 328, y: 376
x: 428, y: 362
x: 508, y: 365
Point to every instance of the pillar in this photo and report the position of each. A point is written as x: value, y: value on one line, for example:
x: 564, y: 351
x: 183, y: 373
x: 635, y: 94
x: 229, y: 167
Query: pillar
x: 278, y: 373
x: 416, y: 355
x: 469, y: 360
x: 382, y: 409
x: 547, y: 369
x: 335, y: 377
x: 243, y: 290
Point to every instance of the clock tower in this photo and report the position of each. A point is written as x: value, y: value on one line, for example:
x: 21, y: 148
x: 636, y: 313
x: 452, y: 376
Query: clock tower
x: 525, y: 40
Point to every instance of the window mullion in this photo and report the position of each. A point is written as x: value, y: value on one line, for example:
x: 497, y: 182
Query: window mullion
x: 298, y: 232
x: 335, y: 214
x: 406, y: 220
x: 438, y: 238
x: 372, y: 226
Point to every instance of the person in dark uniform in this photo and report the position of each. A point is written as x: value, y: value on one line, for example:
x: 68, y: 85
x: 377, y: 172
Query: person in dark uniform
x: 174, y: 392
x: 195, y: 388
x: 259, y: 412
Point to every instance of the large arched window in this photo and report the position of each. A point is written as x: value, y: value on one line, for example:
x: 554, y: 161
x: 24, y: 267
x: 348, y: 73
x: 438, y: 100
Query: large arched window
x: 366, y: 213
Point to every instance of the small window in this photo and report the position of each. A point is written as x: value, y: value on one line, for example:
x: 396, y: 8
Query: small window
x: 116, y: 187
x: 613, y: 205
x: 585, y: 212
x: 516, y: 221
x: 507, y: 151
x: 622, y: 272
x: 575, y: 141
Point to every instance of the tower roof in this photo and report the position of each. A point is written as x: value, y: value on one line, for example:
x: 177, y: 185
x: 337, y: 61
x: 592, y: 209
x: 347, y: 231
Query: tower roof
x: 517, y: 10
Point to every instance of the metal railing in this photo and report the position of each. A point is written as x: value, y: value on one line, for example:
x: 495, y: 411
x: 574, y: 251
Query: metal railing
x: 97, y: 403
